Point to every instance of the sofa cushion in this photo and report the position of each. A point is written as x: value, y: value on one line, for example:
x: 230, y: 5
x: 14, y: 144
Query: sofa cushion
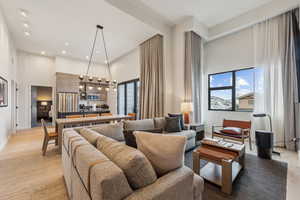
x: 144, y: 124
x: 172, y: 124
x: 69, y: 134
x: 160, y: 123
x: 187, y: 133
x: 135, y: 165
x: 114, y: 131
x: 90, y: 135
x: 165, y: 152
x: 198, y: 186
x: 101, y: 177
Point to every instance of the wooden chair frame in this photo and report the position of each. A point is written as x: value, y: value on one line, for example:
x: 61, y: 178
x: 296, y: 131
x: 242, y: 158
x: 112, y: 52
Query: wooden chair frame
x: 244, y: 125
x: 48, y: 137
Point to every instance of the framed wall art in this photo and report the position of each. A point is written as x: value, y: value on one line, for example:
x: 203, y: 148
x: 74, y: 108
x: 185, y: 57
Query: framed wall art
x: 3, y: 92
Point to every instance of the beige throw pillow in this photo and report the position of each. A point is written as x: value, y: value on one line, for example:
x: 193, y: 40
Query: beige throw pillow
x: 165, y: 152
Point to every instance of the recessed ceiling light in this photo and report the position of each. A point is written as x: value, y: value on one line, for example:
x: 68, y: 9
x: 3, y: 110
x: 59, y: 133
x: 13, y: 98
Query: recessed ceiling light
x: 23, y: 13
x: 27, y: 33
x: 63, y: 52
x: 67, y: 44
x: 43, y: 52
x: 26, y: 25
x: 87, y: 57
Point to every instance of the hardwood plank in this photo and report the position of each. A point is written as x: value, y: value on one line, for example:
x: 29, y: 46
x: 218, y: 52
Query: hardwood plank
x: 26, y: 174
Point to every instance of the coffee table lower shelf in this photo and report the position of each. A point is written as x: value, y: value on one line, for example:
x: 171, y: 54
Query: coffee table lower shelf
x: 213, y: 172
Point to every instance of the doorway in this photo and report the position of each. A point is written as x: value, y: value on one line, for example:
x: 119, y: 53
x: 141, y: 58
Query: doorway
x: 41, y: 105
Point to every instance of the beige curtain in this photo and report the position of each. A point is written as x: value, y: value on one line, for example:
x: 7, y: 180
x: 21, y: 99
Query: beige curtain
x: 152, y: 78
x: 289, y: 77
x: 193, y: 72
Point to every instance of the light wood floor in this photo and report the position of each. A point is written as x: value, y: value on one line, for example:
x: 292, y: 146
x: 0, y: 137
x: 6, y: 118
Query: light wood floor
x: 26, y: 174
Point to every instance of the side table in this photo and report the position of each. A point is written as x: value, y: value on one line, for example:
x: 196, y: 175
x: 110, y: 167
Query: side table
x: 199, y: 128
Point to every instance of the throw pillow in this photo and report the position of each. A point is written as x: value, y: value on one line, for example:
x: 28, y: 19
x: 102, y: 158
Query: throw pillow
x: 180, y: 116
x: 231, y: 130
x: 172, y: 124
x: 165, y: 152
x: 137, y: 168
x: 114, y: 131
x: 90, y: 135
x: 130, y: 138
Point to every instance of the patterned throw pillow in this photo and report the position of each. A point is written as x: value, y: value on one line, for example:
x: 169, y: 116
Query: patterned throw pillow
x: 231, y: 130
x: 173, y: 124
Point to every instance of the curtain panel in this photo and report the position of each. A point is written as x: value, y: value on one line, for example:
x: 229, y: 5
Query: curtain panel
x: 289, y: 78
x: 268, y: 38
x: 276, y: 85
x: 193, y: 73
x: 152, y: 78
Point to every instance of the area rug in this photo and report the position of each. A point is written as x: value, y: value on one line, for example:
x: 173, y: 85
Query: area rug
x: 260, y: 180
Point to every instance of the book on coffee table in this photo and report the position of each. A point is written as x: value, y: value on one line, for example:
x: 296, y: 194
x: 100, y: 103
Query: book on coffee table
x: 223, y: 144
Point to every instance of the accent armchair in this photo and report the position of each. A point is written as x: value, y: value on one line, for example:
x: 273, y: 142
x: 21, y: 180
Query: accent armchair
x: 234, y: 130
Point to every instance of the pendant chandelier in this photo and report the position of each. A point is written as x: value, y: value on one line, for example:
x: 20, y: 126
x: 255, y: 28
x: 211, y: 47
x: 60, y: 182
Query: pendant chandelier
x: 87, y: 80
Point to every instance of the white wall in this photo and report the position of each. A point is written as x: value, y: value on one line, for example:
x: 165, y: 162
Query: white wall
x: 7, y: 71
x: 123, y: 69
x: 33, y: 70
x: 74, y: 66
x: 37, y: 70
x: 235, y: 51
x: 252, y: 17
x: 127, y: 67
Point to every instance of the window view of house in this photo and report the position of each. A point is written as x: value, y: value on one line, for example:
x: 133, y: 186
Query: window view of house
x: 232, y: 90
x: 245, y: 90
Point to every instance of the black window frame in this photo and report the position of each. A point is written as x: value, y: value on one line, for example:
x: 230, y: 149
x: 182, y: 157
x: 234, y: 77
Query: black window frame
x: 135, y: 81
x: 232, y: 88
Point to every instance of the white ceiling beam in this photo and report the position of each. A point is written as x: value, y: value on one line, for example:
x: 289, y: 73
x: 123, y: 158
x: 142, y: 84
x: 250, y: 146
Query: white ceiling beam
x: 140, y: 11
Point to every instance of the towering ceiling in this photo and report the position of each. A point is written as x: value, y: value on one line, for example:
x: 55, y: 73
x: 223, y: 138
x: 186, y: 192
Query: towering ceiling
x: 67, y: 28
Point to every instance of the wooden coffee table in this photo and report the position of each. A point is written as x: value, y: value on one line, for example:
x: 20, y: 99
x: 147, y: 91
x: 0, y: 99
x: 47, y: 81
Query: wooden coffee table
x: 225, y: 161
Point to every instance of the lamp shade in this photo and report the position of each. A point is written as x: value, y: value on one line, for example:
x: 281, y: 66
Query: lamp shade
x: 187, y: 107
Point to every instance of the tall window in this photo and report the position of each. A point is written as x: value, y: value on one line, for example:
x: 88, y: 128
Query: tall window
x: 231, y: 91
x: 128, y: 93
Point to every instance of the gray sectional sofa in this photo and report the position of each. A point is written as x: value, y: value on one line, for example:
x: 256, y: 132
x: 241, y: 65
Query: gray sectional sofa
x: 100, y: 168
x: 156, y: 125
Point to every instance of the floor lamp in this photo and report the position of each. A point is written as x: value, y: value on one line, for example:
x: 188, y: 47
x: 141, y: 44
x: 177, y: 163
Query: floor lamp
x: 270, y: 124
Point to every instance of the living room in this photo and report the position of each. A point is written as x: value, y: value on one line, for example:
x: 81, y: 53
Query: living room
x: 220, y: 76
